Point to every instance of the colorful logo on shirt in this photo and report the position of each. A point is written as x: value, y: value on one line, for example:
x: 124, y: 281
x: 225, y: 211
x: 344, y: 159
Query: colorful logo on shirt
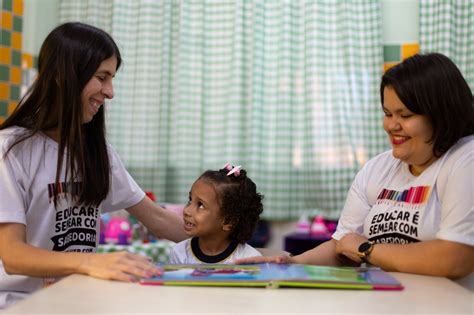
x: 63, y: 189
x: 414, y: 195
x: 396, y: 214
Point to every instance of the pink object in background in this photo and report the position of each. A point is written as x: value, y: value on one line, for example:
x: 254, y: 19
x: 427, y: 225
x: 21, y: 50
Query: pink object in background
x: 319, y: 227
x: 304, y: 225
x: 118, y: 231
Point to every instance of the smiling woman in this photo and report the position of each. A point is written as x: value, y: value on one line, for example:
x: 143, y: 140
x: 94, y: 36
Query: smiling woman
x: 411, y: 209
x: 58, y: 173
x: 99, y: 88
x: 409, y: 133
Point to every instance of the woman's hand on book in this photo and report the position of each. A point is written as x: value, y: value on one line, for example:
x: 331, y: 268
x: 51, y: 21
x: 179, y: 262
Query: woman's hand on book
x: 122, y: 266
x: 348, y: 246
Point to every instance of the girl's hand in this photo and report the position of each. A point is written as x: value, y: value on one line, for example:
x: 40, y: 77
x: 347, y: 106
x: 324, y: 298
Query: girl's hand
x: 265, y: 259
x: 122, y: 266
x: 349, y: 244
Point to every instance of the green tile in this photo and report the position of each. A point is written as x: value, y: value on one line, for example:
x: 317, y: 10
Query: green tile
x: 4, y: 73
x: 392, y: 53
x: 7, y: 5
x: 3, y: 108
x: 6, y: 38
x: 16, y: 58
x: 14, y: 92
x: 17, y: 23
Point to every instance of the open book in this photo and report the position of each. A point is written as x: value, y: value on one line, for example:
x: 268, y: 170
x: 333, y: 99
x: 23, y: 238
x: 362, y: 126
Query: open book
x: 276, y: 275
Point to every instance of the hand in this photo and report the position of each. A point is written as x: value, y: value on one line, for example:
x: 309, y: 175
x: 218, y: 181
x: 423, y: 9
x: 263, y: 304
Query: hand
x: 264, y: 259
x: 349, y: 244
x: 123, y: 266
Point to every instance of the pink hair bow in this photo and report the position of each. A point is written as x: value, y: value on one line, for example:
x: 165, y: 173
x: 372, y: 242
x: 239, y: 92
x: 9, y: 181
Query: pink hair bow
x: 233, y: 169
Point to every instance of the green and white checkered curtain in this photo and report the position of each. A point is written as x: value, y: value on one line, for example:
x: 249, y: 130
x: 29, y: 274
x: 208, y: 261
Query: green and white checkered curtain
x: 447, y: 26
x: 288, y: 89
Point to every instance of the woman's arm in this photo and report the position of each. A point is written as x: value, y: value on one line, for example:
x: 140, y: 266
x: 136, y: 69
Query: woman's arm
x: 324, y: 254
x: 161, y: 222
x: 20, y: 258
x: 435, y: 257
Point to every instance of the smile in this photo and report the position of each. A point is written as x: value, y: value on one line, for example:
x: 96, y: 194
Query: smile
x: 399, y: 139
x: 188, y: 225
x: 95, y: 105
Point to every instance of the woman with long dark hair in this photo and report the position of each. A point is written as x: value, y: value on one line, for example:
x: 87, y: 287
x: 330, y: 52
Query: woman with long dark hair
x: 58, y: 173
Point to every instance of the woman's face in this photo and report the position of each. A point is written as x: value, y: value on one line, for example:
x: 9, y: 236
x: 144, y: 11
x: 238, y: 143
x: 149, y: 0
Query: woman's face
x: 98, y: 88
x: 408, y: 133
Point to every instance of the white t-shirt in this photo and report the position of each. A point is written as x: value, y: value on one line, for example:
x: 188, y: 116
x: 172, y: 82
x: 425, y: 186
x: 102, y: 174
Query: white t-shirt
x: 387, y: 204
x: 188, y: 252
x: 27, y: 175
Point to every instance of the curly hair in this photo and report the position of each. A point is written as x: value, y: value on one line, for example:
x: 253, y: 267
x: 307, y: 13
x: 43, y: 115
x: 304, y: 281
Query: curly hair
x: 240, y: 203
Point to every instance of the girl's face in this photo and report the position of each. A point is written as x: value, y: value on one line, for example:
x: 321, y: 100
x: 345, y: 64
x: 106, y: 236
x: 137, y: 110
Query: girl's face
x: 408, y: 133
x: 202, y: 216
x: 98, y: 88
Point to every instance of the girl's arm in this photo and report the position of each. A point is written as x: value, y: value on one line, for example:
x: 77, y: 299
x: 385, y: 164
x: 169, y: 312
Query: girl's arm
x: 161, y: 222
x: 435, y: 257
x: 20, y: 258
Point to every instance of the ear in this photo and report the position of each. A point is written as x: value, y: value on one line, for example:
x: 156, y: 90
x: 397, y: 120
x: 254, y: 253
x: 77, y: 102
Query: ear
x: 227, y: 226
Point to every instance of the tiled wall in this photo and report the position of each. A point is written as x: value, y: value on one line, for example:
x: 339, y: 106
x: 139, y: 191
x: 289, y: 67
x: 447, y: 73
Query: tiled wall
x: 393, y: 54
x: 17, y: 69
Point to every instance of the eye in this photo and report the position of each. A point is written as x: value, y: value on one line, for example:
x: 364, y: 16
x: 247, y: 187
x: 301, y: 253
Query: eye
x: 406, y: 116
x: 387, y: 114
x: 100, y: 78
x: 200, y: 205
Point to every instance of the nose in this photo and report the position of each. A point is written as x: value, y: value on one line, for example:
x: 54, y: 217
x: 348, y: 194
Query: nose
x: 392, y: 123
x: 108, y: 90
x: 187, y: 211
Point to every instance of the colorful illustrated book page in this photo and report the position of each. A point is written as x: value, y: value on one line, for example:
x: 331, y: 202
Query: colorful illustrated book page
x: 276, y: 275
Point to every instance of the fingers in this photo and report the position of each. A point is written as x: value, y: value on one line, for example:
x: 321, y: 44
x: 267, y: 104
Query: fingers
x: 348, y: 246
x: 261, y: 259
x: 122, y: 266
x: 137, y: 265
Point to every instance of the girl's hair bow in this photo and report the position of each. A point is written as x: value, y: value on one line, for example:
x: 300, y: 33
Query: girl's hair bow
x: 233, y: 169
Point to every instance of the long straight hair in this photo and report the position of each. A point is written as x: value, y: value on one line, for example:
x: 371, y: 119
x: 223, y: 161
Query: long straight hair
x: 69, y: 57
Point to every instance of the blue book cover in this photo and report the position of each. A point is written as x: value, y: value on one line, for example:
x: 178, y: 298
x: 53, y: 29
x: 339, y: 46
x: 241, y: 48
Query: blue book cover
x: 276, y: 275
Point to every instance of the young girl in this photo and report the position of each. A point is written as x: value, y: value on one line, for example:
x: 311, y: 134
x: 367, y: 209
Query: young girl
x: 220, y: 216
x: 58, y: 174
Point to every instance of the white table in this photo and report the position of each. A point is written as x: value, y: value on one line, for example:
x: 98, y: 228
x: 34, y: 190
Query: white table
x: 78, y: 294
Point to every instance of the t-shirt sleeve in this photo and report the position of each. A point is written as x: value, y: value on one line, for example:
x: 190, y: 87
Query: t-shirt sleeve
x: 244, y: 251
x: 178, y: 253
x: 357, y: 205
x: 124, y: 191
x: 12, y: 190
x: 457, y: 201
x: 173, y: 259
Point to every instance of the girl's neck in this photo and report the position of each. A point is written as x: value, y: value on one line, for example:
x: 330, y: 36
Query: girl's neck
x: 211, y: 257
x: 214, y: 245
